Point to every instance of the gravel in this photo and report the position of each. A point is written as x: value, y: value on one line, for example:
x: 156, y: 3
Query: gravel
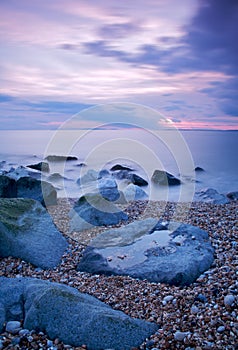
x: 200, y: 316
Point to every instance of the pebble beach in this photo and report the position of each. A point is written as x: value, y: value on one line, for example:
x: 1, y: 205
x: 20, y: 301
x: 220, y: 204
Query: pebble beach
x: 201, y: 316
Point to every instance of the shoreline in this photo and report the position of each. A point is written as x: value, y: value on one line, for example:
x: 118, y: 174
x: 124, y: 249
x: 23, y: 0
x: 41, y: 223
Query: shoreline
x: 198, y: 309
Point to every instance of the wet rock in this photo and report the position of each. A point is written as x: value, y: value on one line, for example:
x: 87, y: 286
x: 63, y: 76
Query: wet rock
x: 93, y: 210
x: 73, y: 317
x: 107, y: 187
x: 164, y: 178
x: 41, y: 166
x: 134, y: 192
x: 150, y: 254
x: 27, y: 232
x: 8, y: 187
x: 137, y: 180
x: 210, y: 195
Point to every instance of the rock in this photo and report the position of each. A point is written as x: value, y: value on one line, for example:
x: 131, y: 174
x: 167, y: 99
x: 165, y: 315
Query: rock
x: 93, y: 210
x: 164, y: 178
x: 180, y: 336
x: 120, y: 167
x: 201, y: 298
x: 8, y: 187
x: 210, y: 195
x: 150, y: 254
x: 199, y: 169
x: 27, y: 232
x: 233, y: 195
x: 42, y: 166
x: 56, y: 158
x: 90, y: 176
x: 108, y: 189
x: 13, y: 327
x: 122, y: 174
x: 56, y: 177
x: 42, y: 191
x: 75, y: 318
x: 21, y: 171
x: 137, y: 180
x: 103, y: 173
x: 134, y: 192
x: 221, y: 329
x: 229, y: 300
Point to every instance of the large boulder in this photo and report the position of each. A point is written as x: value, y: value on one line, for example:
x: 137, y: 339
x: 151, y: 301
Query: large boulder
x: 8, y: 187
x: 134, y: 192
x: 164, y: 178
x: 28, y: 232
x: 107, y: 187
x: 93, y: 210
x: 28, y: 187
x: 171, y: 253
x: 72, y: 317
x: 210, y: 195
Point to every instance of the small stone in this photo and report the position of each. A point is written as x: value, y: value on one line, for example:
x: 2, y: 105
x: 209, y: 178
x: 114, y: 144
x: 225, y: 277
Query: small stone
x: 229, y: 300
x: 168, y: 298
x: 180, y: 336
x: 221, y: 329
x: 24, y: 332
x: 13, y: 327
x: 201, y: 298
x: 194, y: 309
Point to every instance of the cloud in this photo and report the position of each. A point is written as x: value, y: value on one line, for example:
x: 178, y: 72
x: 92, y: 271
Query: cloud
x: 119, y: 30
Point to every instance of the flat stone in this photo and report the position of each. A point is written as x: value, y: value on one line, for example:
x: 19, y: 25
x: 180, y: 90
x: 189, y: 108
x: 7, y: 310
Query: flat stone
x: 170, y: 255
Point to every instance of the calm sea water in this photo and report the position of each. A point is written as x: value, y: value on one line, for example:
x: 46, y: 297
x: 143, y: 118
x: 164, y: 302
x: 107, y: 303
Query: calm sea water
x: 144, y: 151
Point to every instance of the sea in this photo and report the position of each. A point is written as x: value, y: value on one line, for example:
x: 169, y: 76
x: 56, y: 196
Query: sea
x: 144, y: 151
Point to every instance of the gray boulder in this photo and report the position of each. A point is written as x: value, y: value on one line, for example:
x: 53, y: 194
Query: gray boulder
x: 73, y: 317
x: 164, y: 178
x: 210, y: 195
x: 27, y: 232
x: 93, y: 210
x: 107, y: 187
x: 90, y: 176
x: 171, y: 253
x: 8, y: 187
x: 134, y: 192
x: 42, y: 191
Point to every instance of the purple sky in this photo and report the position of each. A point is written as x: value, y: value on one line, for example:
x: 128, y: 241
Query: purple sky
x: 179, y: 57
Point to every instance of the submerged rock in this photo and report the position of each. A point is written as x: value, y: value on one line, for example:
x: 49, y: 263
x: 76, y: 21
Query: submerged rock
x: 164, y: 178
x: 210, y: 195
x: 42, y: 166
x: 171, y: 253
x: 93, y: 210
x: 56, y: 158
x: 8, y: 187
x: 75, y: 318
x: 27, y: 232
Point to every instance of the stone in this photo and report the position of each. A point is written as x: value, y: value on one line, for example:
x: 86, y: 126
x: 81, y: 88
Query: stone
x: 180, y: 336
x: 221, y: 329
x: 137, y: 180
x: 93, y: 210
x: 41, y: 166
x: 56, y: 158
x: 229, y: 300
x: 233, y: 195
x: 164, y: 178
x: 13, y: 327
x: 21, y: 171
x: 8, y: 187
x: 28, y: 232
x: 90, y: 176
x: 75, y: 318
x: 150, y: 254
x: 42, y: 191
x: 107, y: 187
x: 210, y: 195
x: 199, y: 169
x: 2, y: 316
x: 134, y: 192
x: 120, y: 167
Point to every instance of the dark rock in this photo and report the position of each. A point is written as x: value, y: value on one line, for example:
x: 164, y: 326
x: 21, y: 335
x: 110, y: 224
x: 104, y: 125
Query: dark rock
x: 199, y: 169
x: 8, y: 187
x: 93, y: 210
x: 120, y: 167
x: 42, y: 166
x: 81, y: 165
x: 56, y: 158
x: 164, y: 178
x: 233, y: 195
x: 27, y: 232
x: 42, y: 191
x: 75, y: 318
x: 137, y: 180
x: 177, y: 255
x: 210, y: 195
x: 103, y: 173
x: 121, y: 174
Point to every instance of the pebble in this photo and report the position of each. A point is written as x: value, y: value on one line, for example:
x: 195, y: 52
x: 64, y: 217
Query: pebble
x: 1, y: 344
x: 229, y: 300
x: 221, y: 329
x: 13, y: 327
x: 180, y: 336
x: 168, y: 298
x: 194, y: 309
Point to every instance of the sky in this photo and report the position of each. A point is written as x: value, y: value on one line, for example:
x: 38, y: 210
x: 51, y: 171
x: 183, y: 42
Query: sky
x: 179, y: 58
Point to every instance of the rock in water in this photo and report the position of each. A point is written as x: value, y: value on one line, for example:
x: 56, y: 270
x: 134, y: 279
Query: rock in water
x: 8, y: 187
x: 210, y: 195
x: 42, y: 166
x: 176, y: 254
x: 164, y: 178
x: 27, y: 232
x: 93, y: 210
x: 73, y: 317
x: 56, y: 158
x: 134, y: 193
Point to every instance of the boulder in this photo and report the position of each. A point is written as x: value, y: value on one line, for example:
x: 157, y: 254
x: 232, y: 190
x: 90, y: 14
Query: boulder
x: 28, y: 187
x: 93, y: 210
x: 90, y: 176
x: 107, y: 187
x: 8, y: 187
x: 171, y: 253
x: 75, y: 318
x: 164, y: 178
x: 199, y: 169
x: 42, y: 166
x: 210, y: 195
x: 233, y: 195
x: 56, y: 158
x: 137, y: 180
x: 28, y: 232
x: 120, y: 167
x: 21, y: 171
x: 134, y: 192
